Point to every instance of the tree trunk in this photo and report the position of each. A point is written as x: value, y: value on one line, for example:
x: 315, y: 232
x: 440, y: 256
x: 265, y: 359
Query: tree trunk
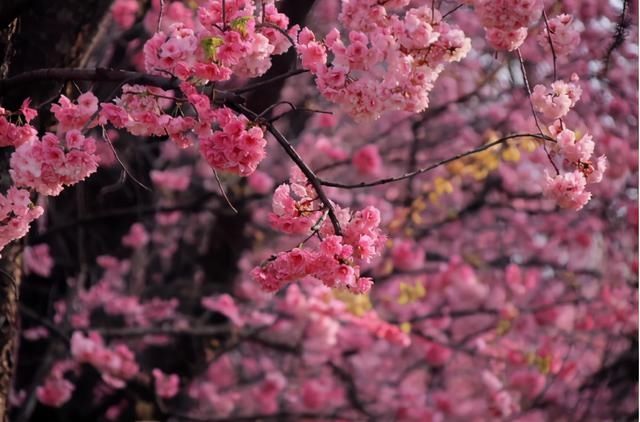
x: 34, y: 34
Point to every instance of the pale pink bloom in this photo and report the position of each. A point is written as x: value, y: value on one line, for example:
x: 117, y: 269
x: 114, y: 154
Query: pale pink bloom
x: 116, y: 364
x: 564, y: 36
x: 508, y: 14
x: 575, y: 150
x: 502, y: 404
x: 568, y: 190
x: 226, y: 306
x: 35, y: 333
x: 49, y: 164
x: 508, y: 40
x: 596, y: 172
x: 37, y: 260
x: 166, y: 385
x: 176, y: 179
x: 556, y: 101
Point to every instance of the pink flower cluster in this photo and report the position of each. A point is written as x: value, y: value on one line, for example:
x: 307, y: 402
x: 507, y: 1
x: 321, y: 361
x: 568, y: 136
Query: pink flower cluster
x: 47, y: 165
x: 238, y: 147
x: 12, y: 134
x: 335, y: 261
x: 16, y: 213
x: 116, y: 365
x: 568, y: 188
x: 556, y: 101
x: 564, y: 36
x: 293, y: 209
x: 506, y: 21
x: 75, y: 116
x: 235, y: 41
x: 139, y: 111
x: 388, y: 56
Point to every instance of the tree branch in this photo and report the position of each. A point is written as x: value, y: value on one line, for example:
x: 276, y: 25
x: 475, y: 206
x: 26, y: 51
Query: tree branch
x: 433, y: 166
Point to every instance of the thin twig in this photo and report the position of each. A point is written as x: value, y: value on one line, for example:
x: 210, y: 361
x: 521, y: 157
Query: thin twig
x: 160, y: 16
x: 553, y: 50
x: 433, y: 166
x: 528, y: 90
x: 222, y: 191
x: 533, y: 110
x: 105, y: 135
x: 450, y: 12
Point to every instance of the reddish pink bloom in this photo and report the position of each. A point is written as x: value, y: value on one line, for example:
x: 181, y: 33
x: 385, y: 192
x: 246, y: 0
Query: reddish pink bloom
x: 55, y: 392
x: 367, y: 160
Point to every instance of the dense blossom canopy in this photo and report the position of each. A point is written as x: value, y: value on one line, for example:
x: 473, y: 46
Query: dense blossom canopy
x: 433, y: 217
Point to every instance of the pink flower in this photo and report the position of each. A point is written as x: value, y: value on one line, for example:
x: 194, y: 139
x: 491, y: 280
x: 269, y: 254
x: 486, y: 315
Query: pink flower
x: 12, y: 134
x: 568, y: 190
x: 367, y: 160
x: 237, y: 148
x: 260, y: 182
x: 508, y: 14
x: 55, y: 392
x: 507, y: 40
x: 137, y: 237
x: 226, y: 306
x: 176, y: 179
x: 16, y: 213
x: 28, y: 112
x: 556, y: 101
x: 407, y: 255
x: 49, y: 164
x: 564, y: 36
x: 166, y: 385
x: 75, y: 116
x: 573, y: 150
x: 594, y: 173
x: 38, y: 260
x: 437, y: 355
x: 124, y: 12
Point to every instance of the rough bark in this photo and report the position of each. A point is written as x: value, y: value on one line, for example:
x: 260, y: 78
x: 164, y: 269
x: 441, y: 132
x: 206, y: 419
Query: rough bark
x: 9, y: 322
